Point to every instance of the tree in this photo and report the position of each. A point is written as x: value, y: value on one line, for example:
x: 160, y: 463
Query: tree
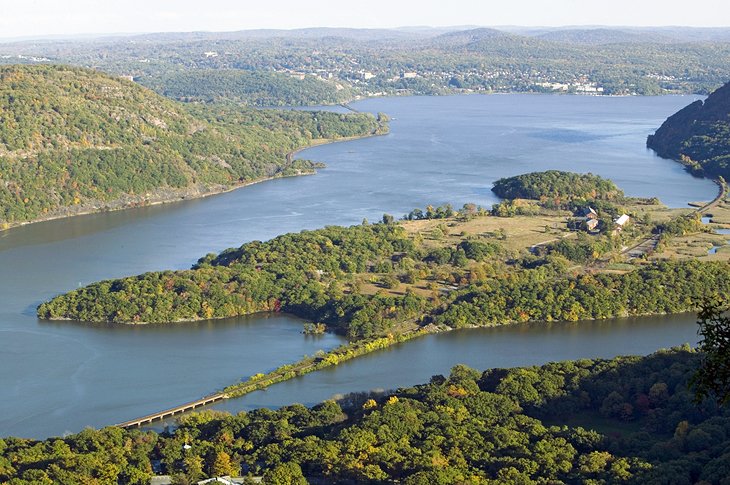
x: 221, y: 465
x: 285, y: 474
x: 713, y: 376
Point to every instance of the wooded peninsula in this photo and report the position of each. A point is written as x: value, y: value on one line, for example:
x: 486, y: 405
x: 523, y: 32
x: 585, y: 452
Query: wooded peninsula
x: 75, y: 141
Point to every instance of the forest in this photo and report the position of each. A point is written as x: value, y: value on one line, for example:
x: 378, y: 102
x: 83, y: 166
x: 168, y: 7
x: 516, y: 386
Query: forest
x: 626, y: 420
x: 371, y: 280
x: 698, y: 136
x: 254, y: 88
x: 74, y: 140
x: 558, y: 189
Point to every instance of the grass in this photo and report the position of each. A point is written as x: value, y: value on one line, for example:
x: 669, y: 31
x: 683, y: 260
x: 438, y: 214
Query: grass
x: 695, y: 246
x: 514, y: 233
x: 595, y: 421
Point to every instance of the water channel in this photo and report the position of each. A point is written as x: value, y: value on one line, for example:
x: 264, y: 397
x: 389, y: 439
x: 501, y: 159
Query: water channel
x: 59, y: 377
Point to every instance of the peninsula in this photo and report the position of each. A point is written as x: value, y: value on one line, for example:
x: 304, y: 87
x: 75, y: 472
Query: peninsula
x: 75, y: 141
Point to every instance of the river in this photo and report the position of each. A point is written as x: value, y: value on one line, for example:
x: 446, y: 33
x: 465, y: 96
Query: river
x: 59, y: 377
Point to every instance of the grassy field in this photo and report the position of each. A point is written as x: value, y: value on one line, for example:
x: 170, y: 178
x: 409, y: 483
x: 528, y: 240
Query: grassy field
x: 699, y: 244
x: 593, y: 420
x: 515, y: 235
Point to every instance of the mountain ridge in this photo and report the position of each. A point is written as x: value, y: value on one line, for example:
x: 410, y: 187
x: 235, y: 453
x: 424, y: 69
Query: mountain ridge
x: 698, y: 135
x: 74, y: 140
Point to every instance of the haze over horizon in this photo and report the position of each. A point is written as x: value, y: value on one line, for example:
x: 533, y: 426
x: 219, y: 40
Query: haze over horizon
x: 48, y: 18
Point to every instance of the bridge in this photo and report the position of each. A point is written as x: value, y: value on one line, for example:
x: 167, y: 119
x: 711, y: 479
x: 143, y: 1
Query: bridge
x: 173, y: 411
x: 716, y: 201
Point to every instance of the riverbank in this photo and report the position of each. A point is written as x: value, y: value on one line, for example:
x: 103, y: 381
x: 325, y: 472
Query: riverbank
x: 170, y: 196
x: 318, y: 362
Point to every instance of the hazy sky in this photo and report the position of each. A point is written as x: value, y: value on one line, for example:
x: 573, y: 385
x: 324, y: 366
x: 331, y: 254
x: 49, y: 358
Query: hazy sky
x: 42, y: 17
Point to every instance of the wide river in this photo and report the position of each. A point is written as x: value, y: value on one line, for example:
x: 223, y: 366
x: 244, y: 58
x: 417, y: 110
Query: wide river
x: 60, y: 377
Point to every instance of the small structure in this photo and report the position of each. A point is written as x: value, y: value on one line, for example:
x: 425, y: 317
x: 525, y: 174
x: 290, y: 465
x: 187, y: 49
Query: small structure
x: 226, y: 480
x: 586, y: 220
x: 621, y: 221
x: 589, y: 213
x: 591, y: 224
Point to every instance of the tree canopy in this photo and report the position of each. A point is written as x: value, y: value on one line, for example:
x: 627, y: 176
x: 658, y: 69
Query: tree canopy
x: 698, y: 135
x: 75, y: 140
x: 624, y: 420
x: 556, y: 187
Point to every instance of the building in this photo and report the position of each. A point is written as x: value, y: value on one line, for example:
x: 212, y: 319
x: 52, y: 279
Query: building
x: 621, y: 221
x: 589, y: 213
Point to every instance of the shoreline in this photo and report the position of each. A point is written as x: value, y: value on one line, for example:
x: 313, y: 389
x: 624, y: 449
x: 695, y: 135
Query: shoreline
x: 189, y: 193
x: 343, y: 353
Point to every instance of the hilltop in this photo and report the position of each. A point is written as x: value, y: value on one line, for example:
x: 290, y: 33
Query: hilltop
x: 698, y: 135
x: 75, y: 140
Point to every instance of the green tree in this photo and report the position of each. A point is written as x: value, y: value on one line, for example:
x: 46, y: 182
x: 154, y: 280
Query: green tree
x: 713, y: 376
x: 285, y: 474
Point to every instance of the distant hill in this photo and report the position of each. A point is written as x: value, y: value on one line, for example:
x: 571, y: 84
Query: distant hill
x: 597, y: 34
x: 471, y: 35
x: 254, y: 88
x: 698, y: 135
x: 74, y: 140
x: 602, y: 36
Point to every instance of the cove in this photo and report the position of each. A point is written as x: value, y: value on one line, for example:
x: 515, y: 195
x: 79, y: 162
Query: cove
x: 414, y: 362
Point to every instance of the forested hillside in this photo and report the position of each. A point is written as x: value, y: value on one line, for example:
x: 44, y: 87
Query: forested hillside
x: 74, y: 140
x: 306, y: 66
x: 698, y: 135
x: 255, y: 88
x: 624, y: 420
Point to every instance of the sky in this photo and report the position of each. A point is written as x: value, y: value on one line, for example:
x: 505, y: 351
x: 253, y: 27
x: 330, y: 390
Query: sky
x: 36, y: 18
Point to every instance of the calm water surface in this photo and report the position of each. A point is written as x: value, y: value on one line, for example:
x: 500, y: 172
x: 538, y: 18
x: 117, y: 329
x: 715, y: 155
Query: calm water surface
x: 60, y: 377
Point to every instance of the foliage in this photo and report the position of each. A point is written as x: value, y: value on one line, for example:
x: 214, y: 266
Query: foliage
x: 431, y: 212
x: 255, y: 88
x: 680, y: 226
x: 698, y: 135
x: 74, y: 140
x: 583, y: 249
x: 491, y: 427
x: 536, y: 295
x: 713, y: 376
x: 557, y: 189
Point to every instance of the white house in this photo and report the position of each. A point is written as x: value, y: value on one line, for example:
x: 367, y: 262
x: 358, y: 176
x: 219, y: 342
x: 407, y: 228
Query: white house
x: 621, y: 221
